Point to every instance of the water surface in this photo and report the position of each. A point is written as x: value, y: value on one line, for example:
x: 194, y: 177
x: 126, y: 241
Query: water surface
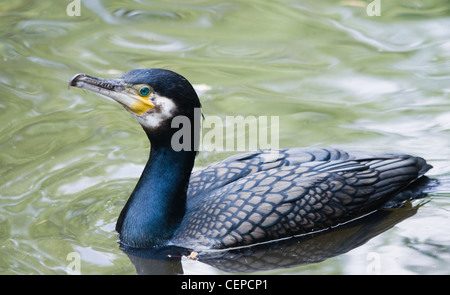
x: 334, y: 75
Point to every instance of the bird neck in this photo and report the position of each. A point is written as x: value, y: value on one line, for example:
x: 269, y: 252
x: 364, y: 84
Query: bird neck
x: 157, y: 205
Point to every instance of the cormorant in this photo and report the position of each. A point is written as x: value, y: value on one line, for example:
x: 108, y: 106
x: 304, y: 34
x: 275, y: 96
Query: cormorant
x: 245, y: 199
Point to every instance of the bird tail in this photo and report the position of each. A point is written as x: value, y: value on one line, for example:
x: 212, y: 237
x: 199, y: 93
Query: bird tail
x: 401, y: 178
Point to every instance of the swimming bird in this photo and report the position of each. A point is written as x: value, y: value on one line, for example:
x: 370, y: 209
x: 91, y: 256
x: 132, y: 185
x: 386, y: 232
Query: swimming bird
x: 245, y: 199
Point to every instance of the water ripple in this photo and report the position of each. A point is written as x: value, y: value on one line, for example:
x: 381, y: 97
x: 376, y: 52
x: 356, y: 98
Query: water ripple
x: 332, y: 74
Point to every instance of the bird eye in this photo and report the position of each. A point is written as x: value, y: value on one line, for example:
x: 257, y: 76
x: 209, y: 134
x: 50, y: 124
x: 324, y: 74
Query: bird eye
x: 144, y: 91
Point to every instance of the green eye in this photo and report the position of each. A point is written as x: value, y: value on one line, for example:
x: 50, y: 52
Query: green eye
x: 144, y: 91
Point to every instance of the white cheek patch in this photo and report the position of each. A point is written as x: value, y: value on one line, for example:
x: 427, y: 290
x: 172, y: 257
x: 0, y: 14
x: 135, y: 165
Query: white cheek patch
x: 164, y: 109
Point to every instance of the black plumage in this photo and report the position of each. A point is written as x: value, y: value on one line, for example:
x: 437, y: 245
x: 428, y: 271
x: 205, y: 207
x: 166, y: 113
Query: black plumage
x: 245, y: 199
x: 264, y: 195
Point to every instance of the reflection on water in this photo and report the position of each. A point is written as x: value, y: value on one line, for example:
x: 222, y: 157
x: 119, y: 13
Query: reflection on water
x: 293, y: 252
x: 335, y: 76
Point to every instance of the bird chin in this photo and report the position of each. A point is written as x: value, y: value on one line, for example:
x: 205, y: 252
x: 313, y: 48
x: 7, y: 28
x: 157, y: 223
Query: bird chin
x: 153, y: 118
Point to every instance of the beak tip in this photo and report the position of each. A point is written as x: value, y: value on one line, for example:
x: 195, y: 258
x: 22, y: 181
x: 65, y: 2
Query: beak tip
x: 74, y: 80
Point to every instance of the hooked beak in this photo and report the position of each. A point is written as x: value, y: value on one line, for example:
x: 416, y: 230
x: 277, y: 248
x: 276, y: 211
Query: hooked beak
x: 116, y: 89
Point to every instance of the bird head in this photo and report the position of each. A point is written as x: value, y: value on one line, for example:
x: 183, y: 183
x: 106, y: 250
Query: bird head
x: 153, y: 96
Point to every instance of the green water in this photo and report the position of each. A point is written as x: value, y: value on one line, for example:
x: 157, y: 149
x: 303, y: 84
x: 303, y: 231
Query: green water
x: 334, y: 75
